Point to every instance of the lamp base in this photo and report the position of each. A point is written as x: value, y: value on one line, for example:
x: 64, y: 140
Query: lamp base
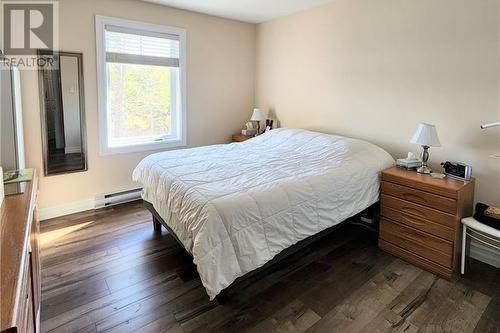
x: 258, y: 129
x: 425, y: 157
x: 424, y: 169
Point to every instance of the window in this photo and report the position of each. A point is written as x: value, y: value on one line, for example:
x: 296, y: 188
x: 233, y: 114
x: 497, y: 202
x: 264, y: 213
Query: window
x: 141, y: 85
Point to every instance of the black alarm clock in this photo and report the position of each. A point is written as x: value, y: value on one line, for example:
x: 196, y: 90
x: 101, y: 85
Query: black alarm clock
x: 457, y: 170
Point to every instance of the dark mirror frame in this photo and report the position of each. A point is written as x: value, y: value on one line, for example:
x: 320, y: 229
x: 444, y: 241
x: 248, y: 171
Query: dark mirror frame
x: 43, y: 115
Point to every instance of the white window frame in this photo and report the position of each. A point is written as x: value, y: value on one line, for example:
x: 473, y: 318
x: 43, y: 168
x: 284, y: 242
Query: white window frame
x: 179, y: 119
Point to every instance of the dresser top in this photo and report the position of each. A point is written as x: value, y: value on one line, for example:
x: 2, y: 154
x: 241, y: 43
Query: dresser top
x: 15, y: 226
x: 425, y: 181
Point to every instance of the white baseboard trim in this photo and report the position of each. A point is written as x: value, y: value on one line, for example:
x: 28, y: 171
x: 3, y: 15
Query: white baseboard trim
x: 484, y: 253
x: 66, y: 209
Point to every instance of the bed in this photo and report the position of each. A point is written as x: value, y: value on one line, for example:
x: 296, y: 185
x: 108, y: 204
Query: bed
x: 234, y: 207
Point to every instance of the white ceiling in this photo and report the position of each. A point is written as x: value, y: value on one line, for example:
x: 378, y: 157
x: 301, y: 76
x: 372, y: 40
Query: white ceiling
x: 253, y: 11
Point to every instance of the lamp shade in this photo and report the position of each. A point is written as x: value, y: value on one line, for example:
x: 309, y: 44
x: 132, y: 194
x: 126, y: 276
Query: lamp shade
x: 426, y: 135
x: 256, y: 115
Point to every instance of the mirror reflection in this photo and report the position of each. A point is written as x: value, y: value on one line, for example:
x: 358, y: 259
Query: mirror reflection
x: 62, y: 99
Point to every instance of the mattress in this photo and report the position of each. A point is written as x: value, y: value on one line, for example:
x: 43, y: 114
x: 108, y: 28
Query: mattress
x: 236, y: 206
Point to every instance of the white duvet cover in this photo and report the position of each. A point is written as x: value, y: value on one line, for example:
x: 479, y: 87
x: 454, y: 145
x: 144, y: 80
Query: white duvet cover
x: 236, y: 206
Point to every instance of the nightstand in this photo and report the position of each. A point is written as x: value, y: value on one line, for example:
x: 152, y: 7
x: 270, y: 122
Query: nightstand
x: 420, y: 218
x: 240, y: 137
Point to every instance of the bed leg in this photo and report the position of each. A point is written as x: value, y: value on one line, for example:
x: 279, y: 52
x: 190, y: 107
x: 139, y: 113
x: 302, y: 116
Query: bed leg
x: 156, y: 225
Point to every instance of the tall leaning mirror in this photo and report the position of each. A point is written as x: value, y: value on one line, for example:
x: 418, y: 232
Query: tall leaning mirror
x: 60, y: 76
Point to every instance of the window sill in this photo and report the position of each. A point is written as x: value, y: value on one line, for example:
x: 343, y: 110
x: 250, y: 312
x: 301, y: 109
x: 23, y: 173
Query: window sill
x: 105, y: 150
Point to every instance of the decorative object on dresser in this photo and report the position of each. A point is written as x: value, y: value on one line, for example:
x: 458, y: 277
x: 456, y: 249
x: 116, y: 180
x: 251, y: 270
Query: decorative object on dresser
x: 457, y: 170
x: 250, y: 129
x: 240, y: 137
x: 14, y: 181
x: 420, y: 218
x: 20, y: 281
x: 438, y: 175
x: 426, y: 136
x: 410, y: 162
x: 269, y: 124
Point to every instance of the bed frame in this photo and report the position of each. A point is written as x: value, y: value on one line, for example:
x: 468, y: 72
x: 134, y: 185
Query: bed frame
x: 258, y: 273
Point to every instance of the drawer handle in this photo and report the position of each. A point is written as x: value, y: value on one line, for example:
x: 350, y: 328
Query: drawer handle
x: 412, y: 220
x: 414, y: 211
x: 416, y: 242
x: 413, y: 238
x: 411, y: 195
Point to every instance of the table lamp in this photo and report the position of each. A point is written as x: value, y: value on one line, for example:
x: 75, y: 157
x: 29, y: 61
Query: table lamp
x: 426, y: 136
x: 257, y: 116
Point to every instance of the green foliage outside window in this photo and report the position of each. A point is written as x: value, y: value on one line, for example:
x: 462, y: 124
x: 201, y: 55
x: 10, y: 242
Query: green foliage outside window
x: 139, y: 100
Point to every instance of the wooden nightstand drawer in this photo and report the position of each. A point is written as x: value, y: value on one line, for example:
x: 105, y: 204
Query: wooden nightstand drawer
x: 420, y: 243
x: 420, y: 197
x: 429, y: 265
x: 416, y: 222
x: 419, y: 211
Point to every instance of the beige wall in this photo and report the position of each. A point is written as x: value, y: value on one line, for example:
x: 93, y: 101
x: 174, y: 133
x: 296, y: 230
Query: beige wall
x: 361, y: 68
x: 375, y: 69
x: 220, y: 90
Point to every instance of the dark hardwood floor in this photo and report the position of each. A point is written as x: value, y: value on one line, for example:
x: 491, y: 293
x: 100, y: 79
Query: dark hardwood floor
x: 106, y: 271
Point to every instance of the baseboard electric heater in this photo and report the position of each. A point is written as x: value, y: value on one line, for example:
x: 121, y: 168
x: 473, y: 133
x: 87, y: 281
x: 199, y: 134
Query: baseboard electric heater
x: 116, y: 198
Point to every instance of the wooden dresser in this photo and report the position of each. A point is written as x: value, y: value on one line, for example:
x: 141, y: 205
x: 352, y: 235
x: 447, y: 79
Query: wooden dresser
x: 420, y: 218
x: 20, y: 264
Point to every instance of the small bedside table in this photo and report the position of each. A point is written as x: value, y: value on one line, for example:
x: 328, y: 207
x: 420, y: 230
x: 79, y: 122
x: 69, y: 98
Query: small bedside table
x: 240, y: 137
x: 420, y: 218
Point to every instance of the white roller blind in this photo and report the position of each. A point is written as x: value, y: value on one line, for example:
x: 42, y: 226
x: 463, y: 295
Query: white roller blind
x: 141, y: 47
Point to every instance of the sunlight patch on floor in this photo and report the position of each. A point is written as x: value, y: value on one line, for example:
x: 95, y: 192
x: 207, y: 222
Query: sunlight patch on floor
x: 50, y: 236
